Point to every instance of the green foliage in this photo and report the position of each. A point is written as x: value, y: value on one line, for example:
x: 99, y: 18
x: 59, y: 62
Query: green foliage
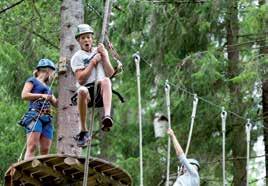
x: 11, y: 135
x: 184, y: 43
x: 12, y: 69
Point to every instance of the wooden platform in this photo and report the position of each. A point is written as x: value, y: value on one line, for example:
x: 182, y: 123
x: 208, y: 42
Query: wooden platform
x: 50, y: 170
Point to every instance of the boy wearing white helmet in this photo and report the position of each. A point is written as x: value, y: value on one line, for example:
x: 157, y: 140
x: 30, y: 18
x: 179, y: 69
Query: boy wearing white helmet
x: 91, y: 64
x: 190, y: 167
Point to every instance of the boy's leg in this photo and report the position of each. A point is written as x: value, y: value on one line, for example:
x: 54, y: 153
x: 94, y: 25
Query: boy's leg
x: 83, y: 98
x: 106, y: 93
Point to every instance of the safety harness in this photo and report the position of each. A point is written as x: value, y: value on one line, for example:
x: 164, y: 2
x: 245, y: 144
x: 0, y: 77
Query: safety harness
x: 91, y: 86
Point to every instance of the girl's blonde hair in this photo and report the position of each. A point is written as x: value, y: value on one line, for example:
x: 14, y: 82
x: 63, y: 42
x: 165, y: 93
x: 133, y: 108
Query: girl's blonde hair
x: 35, y: 72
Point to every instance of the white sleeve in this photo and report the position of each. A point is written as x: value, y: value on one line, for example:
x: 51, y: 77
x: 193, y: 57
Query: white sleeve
x: 184, y: 161
x: 77, y: 63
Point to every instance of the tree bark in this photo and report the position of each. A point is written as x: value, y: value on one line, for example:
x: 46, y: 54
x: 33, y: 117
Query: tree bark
x: 264, y: 50
x: 238, y: 134
x: 72, y: 14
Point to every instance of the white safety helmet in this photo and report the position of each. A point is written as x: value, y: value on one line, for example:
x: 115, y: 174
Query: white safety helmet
x: 194, y: 162
x: 191, y: 161
x: 83, y: 29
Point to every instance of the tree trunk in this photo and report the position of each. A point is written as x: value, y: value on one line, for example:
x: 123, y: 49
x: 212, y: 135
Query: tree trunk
x: 264, y: 50
x: 72, y: 14
x: 238, y: 134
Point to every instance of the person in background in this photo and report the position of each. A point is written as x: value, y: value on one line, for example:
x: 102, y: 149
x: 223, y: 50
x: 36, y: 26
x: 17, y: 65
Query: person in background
x: 190, y: 167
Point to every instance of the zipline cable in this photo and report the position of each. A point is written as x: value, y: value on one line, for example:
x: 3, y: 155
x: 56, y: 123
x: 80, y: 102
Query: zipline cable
x: 195, y: 102
x: 223, y: 125
x: 248, y: 130
x: 213, y: 104
x: 136, y: 57
x: 167, y: 92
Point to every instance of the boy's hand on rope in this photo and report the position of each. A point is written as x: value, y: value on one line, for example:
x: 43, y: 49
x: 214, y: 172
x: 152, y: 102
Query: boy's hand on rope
x: 102, y: 50
x: 96, y: 59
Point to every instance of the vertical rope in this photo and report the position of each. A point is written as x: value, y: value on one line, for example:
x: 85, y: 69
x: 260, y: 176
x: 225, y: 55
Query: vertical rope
x: 105, y: 20
x: 223, y: 125
x: 195, y: 102
x: 102, y: 38
x: 167, y: 91
x: 90, y: 133
x: 248, y: 130
x: 137, y: 62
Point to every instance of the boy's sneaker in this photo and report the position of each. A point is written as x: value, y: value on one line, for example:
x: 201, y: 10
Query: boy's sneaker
x: 107, y: 123
x: 82, y: 138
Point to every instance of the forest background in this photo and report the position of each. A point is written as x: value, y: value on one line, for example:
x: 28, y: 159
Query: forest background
x: 214, y: 48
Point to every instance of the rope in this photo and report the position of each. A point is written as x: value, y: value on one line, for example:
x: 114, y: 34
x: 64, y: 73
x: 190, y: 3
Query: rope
x: 113, y: 52
x: 91, y: 125
x: 195, y: 102
x: 137, y: 62
x: 223, y: 124
x: 248, y: 129
x: 213, y: 104
x: 90, y: 134
x: 38, y: 116
x: 167, y: 91
x: 102, y: 38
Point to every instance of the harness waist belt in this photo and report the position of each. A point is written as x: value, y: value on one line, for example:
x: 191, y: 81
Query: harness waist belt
x: 43, y: 111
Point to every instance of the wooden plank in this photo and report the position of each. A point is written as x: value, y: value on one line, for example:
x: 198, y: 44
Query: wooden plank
x: 26, y: 179
x: 110, y: 169
x: 102, y: 179
x: 74, y: 163
x: 47, y: 170
x: 50, y: 169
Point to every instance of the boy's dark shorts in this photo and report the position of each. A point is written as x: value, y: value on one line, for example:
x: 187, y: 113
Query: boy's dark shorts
x: 98, y: 97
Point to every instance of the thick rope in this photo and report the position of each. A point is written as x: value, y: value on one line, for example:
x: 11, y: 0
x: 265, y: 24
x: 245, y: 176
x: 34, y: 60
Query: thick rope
x: 91, y: 126
x: 86, y: 168
x: 248, y: 130
x: 137, y: 62
x: 195, y: 102
x: 107, y: 10
x: 223, y: 125
x: 39, y: 114
x: 167, y: 91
